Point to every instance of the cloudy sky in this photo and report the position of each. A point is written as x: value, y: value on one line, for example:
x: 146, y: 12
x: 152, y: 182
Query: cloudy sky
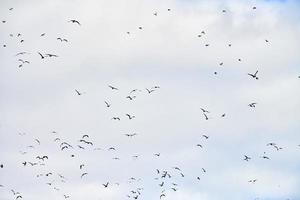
x: 181, y: 51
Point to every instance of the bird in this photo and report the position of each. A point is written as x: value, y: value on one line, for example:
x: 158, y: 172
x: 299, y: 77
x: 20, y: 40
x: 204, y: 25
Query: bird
x: 78, y: 93
x: 112, y: 87
x: 1, y: 165
x: 157, y: 154
x: 62, y: 39
x: 106, y: 184
x: 204, y: 111
x: 254, y: 75
x: 75, y: 21
x: 206, y: 118
x: 130, y: 116
x: 38, y: 141
x: 43, y: 34
x: 131, y: 97
x: 254, y: 7
x: 131, y: 135
x: 204, y: 170
x: 265, y: 157
x: 107, y: 104
x: 161, y: 184
x: 116, y: 118
x: 247, y: 158
x: 42, y: 56
x: 199, y: 145
x: 162, y: 195
x: 83, y: 174
x: 252, y: 181
x: 150, y: 91
x: 252, y: 105
x: 223, y: 115
x: 205, y: 136
x: 51, y: 55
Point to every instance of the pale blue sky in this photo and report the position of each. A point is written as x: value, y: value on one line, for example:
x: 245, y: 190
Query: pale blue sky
x: 40, y: 97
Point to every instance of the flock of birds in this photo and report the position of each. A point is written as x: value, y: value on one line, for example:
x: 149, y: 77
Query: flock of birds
x: 164, y: 177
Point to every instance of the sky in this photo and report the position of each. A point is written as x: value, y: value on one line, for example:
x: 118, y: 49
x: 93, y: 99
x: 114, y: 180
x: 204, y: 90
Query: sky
x: 197, y: 55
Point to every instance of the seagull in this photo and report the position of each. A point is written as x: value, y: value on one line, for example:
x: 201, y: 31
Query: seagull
x: 51, y: 55
x: 206, y: 118
x: 252, y: 181
x: 252, y: 105
x: 204, y: 111
x: 247, y: 158
x: 130, y: 116
x: 75, y: 21
x: 116, y: 118
x: 78, y: 93
x: 83, y: 174
x: 150, y: 91
x: 131, y: 135
x: 107, y: 104
x: 42, y: 56
x: 205, y: 136
x: 131, y: 97
x: 254, y: 75
x: 112, y: 87
x: 105, y: 185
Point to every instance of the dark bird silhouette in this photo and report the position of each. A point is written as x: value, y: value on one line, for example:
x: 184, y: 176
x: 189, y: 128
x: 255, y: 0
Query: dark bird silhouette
x: 199, y: 145
x: 78, y: 93
x: 252, y: 181
x: 204, y: 111
x: 112, y: 87
x: 157, y: 154
x: 247, y: 158
x: 51, y: 55
x: 83, y: 174
x: 205, y: 136
x: 106, y: 184
x: 116, y: 118
x: 42, y: 56
x: 206, y: 118
x: 131, y: 135
x: 150, y: 91
x: 131, y: 97
x: 254, y: 75
x: 252, y: 105
x: 130, y: 116
x: 107, y: 104
x: 203, y: 170
x: 75, y: 22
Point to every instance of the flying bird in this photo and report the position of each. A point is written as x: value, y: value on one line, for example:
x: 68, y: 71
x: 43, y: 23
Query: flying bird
x: 254, y: 75
x: 75, y: 21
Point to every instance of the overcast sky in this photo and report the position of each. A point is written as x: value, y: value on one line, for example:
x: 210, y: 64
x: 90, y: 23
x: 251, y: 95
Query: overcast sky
x: 38, y: 100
